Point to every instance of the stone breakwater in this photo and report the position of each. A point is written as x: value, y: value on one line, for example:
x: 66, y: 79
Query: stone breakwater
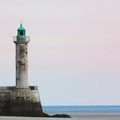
x: 19, y: 101
x: 22, y: 102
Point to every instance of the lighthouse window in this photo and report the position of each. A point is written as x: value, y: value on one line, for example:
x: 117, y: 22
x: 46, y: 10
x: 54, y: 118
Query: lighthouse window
x: 21, y: 32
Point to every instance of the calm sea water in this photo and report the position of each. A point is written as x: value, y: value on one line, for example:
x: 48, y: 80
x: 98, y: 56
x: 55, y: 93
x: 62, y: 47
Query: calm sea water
x: 81, y: 108
x: 77, y: 113
x: 85, y: 111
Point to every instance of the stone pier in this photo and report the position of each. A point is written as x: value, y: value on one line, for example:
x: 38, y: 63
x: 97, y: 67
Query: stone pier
x: 19, y: 101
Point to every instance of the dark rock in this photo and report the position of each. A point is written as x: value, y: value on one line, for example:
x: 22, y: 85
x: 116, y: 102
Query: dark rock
x: 61, y: 116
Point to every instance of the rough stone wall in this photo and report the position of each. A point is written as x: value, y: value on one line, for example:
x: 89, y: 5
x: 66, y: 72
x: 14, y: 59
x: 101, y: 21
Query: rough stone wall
x: 14, y: 100
x: 5, y: 100
x: 25, y: 100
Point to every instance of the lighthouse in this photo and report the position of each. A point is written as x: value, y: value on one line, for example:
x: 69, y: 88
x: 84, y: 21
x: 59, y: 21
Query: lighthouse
x: 21, y: 41
x: 22, y: 99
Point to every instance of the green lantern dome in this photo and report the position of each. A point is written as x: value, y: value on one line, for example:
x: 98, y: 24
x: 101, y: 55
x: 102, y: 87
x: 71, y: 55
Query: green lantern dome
x: 21, y: 31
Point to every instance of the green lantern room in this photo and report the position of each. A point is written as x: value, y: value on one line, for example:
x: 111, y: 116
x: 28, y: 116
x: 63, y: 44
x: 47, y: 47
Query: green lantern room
x: 21, y: 31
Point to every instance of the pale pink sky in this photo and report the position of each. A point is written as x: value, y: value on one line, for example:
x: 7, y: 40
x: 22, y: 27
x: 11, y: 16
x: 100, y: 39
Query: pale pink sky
x: 74, y: 52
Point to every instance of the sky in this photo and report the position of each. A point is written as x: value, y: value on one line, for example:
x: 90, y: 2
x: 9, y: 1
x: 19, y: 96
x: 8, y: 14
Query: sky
x: 74, y: 49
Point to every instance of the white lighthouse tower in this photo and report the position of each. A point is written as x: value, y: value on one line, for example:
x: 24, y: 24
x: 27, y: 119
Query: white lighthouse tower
x: 22, y: 99
x: 21, y: 41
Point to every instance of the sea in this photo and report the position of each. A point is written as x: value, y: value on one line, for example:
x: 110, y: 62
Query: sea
x: 76, y: 112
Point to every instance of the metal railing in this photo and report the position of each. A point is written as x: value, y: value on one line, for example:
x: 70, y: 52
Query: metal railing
x: 21, y: 38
